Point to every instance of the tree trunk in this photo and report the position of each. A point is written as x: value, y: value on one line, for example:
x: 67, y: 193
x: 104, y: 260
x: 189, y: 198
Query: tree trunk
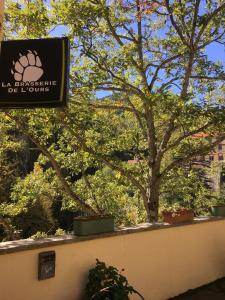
x: 153, y: 196
x: 153, y: 205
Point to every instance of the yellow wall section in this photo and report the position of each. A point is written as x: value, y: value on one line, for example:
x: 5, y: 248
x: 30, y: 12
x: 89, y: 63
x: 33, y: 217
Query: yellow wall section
x: 158, y: 263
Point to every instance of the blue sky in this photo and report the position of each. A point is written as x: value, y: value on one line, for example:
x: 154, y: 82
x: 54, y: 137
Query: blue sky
x: 215, y: 52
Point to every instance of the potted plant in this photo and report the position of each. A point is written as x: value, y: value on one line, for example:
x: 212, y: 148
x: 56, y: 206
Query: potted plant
x: 218, y: 207
x: 93, y: 224
x: 106, y: 283
x: 177, y: 214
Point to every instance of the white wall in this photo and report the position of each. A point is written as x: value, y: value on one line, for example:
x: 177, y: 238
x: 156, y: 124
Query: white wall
x: 158, y: 263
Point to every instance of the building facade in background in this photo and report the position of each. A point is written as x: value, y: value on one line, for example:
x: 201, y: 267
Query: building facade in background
x: 213, y: 163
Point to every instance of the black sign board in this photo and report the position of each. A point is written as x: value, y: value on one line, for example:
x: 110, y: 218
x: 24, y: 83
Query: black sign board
x: 46, y: 265
x: 34, y: 73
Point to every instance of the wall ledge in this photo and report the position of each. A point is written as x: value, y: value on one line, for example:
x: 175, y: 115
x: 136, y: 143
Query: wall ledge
x: 31, y: 244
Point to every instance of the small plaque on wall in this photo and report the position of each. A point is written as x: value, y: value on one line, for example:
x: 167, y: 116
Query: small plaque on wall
x: 46, y: 265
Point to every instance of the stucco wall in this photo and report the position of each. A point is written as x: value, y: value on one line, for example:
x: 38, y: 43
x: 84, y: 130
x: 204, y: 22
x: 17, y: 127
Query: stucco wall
x: 159, y: 263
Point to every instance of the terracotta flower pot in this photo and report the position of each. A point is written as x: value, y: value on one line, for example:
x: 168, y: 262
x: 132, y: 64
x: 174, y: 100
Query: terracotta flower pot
x: 93, y: 225
x: 181, y: 216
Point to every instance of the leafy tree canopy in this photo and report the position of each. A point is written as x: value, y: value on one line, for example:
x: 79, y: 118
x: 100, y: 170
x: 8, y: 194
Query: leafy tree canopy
x: 152, y: 58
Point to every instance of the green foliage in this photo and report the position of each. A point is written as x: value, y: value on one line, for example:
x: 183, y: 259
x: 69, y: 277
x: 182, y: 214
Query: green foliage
x: 186, y: 188
x: 163, y: 87
x: 11, y: 148
x: 60, y: 231
x: 11, y: 166
x: 107, y: 283
x: 32, y: 201
x: 110, y: 193
x: 39, y: 235
x: 25, y: 17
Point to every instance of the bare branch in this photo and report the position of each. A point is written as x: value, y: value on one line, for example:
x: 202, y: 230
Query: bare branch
x: 205, y: 77
x: 194, y: 24
x: 130, y: 33
x: 89, y: 187
x: 120, y: 107
x: 171, y: 81
x: 154, y: 78
x: 175, y: 25
x: 186, y: 135
x: 185, y: 158
x: 208, y: 20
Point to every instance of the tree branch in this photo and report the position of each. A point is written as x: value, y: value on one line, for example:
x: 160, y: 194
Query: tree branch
x: 154, y: 78
x: 194, y: 23
x: 208, y: 20
x: 200, y: 151
x: 89, y: 187
x: 82, y: 145
x: 175, y: 25
x: 186, y: 135
x: 187, y: 75
x: 55, y: 165
x: 205, y: 77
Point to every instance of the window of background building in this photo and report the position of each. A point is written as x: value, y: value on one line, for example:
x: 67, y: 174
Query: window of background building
x: 220, y: 157
x: 222, y: 176
x: 211, y: 157
x: 220, y: 147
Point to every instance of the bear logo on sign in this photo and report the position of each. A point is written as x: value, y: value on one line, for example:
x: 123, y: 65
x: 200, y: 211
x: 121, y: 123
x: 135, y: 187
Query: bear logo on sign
x: 28, y: 67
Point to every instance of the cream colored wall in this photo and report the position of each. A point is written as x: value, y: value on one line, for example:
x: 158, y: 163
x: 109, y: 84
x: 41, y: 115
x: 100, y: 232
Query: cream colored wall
x: 158, y: 263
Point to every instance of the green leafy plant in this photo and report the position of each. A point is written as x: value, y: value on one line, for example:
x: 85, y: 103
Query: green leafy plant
x: 186, y: 188
x: 174, y: 207
x: 39, y: 235
x: 107, y: 283
x: 60, y: 231
x: 218, y: 201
